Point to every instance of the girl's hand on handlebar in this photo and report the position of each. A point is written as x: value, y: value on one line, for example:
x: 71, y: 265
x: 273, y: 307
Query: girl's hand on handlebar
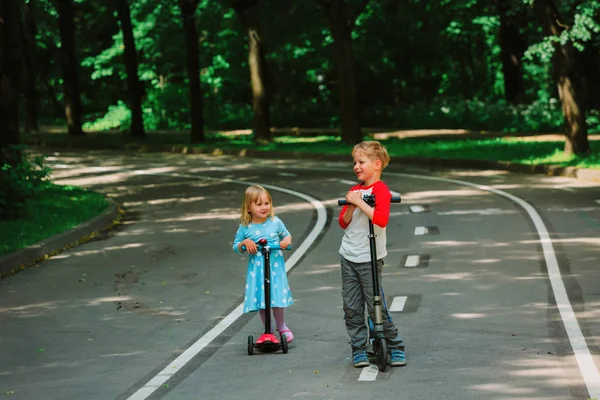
x: 250, y: 246
x: 285, y: 243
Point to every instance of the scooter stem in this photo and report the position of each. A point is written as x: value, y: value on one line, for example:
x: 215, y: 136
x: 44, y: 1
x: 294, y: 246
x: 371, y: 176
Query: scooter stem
x: 266, y: 250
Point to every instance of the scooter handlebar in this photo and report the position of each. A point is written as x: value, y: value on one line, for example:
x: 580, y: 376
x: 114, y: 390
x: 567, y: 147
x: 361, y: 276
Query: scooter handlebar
x: 395, y: 199
x: 270, y: 247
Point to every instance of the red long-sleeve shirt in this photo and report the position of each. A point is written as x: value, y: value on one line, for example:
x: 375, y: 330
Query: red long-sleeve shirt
x: 355, y: 243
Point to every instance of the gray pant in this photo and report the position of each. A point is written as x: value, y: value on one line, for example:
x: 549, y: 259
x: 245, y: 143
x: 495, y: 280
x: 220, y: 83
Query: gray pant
x: 357, y: 289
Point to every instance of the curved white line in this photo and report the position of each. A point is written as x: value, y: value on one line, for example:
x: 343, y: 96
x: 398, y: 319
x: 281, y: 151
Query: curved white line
x: 163, y: 376
x: 585, y: 361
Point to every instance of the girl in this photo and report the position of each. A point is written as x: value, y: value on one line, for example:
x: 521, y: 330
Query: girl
x: 258, y: 221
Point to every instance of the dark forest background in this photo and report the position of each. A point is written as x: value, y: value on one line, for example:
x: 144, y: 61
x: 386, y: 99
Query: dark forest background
x: 206, y: 65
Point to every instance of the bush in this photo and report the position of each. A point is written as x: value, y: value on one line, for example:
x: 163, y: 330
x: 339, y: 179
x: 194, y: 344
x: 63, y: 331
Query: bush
x: 21, y: 176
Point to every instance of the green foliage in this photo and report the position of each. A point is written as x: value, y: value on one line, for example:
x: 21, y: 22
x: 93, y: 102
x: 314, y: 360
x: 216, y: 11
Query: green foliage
x: 444, y: 113
x: 418, y: 64
x: 44, y: 214
x: 117, y: 117
x: 21, y: 176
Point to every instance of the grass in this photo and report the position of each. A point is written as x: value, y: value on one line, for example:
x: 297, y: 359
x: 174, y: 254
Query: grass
x: 519, y: 149
x: 50, y: 212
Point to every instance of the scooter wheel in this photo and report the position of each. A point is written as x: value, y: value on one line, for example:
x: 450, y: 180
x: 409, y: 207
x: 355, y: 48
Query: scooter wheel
x: 284, y: 343
x: 250, y: 345
x: 381, y: 354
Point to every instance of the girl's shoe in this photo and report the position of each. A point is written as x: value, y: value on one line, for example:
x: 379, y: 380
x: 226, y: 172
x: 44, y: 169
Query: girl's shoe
x: 288, y: 335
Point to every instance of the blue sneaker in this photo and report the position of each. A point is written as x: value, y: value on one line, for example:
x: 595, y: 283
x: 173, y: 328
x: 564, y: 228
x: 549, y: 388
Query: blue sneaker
x: 397, y: 358
x: 360, y: 359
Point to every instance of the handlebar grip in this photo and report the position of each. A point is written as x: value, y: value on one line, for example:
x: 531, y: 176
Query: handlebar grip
x: 279, y: 248
x: 272, y: 248
x: 395, y: 199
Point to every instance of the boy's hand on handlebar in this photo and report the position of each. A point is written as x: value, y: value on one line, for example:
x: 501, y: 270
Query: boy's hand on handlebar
x: 354, y: 197
x: 250, y: 246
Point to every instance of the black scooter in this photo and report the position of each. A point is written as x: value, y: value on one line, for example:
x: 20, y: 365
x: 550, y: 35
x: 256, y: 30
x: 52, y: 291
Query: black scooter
x: 379, y: 343
x: 267, y: 342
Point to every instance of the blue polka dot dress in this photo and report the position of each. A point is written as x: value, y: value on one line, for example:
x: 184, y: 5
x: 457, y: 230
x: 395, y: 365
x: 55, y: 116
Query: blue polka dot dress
x: 254, y: 297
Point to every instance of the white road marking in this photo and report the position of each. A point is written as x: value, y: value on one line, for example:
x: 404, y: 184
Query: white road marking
x: 286, y: 174
x: 487, y: 211
x: 587, y: 367
x: 417, y: 209
x: 398, y: 304
x: 412, y: 261
x: 368, y: 373
x: 398, y: 213
x: 421, y: 230
x: 163, y: 376
x: 347, y: 182
x: 570, y: 210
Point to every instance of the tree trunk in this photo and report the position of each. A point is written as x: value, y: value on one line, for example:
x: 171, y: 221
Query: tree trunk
x: 341, y: 31
x: 512, y: 48
x: 29, y: 61
x: 9, y: 76
x: 188, y: 15
x: 568, y: 87
x: 73, y: 110
x: 131, y: 65
x: 246, y: 10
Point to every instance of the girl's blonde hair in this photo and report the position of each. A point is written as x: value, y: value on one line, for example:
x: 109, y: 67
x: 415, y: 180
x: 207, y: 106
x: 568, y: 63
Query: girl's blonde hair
x: 252, y: 195
x: 374, y: 151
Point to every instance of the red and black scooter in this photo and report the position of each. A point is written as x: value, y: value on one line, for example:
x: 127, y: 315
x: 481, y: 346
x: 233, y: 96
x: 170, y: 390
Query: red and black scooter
x: 379, y: 343
x: 267, y: 342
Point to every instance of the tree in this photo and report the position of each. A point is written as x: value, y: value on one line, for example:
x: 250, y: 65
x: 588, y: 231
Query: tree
x: 9, y: 76
x: 188, y: 14
x: 248, y: 14
x: 73, y: 109
x: 30, y: 70
x: 512, y: 48
x: 342, y: 21
x: 131, y: 64
x: 569, y: 89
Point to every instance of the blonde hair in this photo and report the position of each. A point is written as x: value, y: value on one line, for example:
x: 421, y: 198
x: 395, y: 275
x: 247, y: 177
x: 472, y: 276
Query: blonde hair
x: 374, y: 151
x: 252, y: 195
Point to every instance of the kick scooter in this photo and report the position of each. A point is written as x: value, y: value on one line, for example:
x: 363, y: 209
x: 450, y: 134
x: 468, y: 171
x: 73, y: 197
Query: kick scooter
x: 267, y: 342
x: 379, y: 343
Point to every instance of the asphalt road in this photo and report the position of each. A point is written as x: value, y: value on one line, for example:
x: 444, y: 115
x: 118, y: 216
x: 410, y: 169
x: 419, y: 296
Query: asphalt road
x: 494, y: 278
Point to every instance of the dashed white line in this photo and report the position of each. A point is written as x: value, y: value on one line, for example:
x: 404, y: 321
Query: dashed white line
x: 368, y: 373
x: 417, y: 209
x: 398, y: 304
x: 587, y: 366
x: 412, y: 261
x: 421, y: 230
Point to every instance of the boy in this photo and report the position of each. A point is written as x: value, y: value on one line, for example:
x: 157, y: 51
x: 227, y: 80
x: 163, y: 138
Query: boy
x: 370, y: 158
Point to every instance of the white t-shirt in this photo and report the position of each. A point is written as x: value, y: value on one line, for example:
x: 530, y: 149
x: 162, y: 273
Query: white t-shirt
x: 355, y: 245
